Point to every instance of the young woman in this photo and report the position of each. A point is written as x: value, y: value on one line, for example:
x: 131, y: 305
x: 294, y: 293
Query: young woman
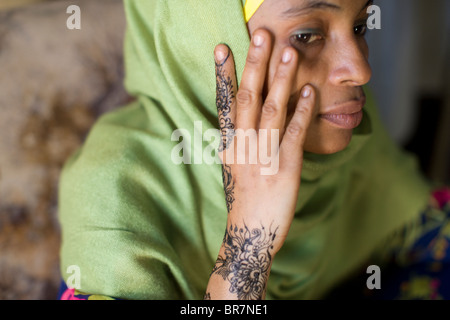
x: 342, y: 197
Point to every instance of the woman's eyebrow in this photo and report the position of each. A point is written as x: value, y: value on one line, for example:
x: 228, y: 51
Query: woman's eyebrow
x: 309, y: 5
x: 315, y: 4
x: 368, y: 4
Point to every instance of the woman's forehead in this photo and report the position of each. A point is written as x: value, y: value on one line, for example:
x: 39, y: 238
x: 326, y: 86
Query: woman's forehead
x: 299, y: 7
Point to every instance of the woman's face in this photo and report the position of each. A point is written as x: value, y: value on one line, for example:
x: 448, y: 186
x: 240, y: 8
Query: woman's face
x: 329, y: 38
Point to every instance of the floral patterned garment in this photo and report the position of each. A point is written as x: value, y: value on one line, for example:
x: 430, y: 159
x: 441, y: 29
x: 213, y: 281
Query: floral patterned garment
x: 423, y: 273
x: 66, y: 293
x: 420, y: 271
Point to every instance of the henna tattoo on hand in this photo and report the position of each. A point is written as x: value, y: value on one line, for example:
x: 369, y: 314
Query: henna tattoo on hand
x: 246, y: 262
x: 224, y: 100
x: 207, y: 296
x: 228, y: 186
x: 247, y: 256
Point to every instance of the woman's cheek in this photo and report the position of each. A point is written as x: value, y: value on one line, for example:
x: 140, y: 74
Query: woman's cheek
x: 365, y: 48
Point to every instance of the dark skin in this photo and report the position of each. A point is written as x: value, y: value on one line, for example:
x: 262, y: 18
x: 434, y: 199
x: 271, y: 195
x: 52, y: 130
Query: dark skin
x: 303, y: 77
x: 333, y: 56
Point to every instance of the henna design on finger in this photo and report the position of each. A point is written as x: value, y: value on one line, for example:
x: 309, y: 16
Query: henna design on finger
x: 224, y: 99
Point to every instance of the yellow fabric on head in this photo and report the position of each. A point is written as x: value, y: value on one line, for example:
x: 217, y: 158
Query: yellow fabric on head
x: 250, y: 8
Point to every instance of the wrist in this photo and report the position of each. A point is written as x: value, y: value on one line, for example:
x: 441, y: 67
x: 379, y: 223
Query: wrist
x: 264, y: 234
x: 245, y: 260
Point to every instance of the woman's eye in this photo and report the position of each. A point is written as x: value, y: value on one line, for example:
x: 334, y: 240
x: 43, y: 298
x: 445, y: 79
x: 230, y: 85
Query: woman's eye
x: 307, y: 38
x: 360, y: 30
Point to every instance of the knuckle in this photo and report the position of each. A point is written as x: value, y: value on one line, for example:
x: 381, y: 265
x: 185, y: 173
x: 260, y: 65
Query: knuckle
x: 302, y: 110
x: 253, y: 59
x: 281, y: 75
x: 270, y: 108
x: 294, y: 129
x: 246, y: 97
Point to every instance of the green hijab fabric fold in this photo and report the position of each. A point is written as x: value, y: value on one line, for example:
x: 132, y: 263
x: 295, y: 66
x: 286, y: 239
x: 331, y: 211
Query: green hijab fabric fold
x: 139, y: 226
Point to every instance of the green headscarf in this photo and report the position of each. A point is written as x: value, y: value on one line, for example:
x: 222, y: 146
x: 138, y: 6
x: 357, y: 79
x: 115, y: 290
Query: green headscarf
x: 139, y: 226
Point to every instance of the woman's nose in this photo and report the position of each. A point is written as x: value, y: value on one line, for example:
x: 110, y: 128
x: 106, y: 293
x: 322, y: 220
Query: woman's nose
x: 349, y: 64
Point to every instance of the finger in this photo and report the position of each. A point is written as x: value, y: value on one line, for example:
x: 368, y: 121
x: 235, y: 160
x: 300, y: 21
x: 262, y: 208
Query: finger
x: 291, y: 148
x: 225, y: 94
x: 274, y: 110
x: 249, y: 96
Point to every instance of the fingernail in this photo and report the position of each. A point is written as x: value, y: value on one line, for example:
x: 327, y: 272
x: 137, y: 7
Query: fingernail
x: 306, y: 92
x: 287, y: 56
x: 258, y: 40
x: 220, y: 55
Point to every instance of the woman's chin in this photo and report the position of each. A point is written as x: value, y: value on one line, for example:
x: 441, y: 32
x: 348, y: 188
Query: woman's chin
x: 329, y: 143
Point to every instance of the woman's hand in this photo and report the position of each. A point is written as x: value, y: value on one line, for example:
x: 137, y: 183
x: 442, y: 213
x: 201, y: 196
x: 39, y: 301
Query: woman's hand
x: 262, y: 158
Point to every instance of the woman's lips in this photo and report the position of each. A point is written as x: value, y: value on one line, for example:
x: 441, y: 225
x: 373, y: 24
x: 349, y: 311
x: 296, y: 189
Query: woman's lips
x: 344, y: 121
x: 348, y: 115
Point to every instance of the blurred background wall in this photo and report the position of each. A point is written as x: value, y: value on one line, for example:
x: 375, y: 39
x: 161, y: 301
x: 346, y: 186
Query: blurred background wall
x: 8, y: 4
x: 410, y: 57
x: 54, y: 83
